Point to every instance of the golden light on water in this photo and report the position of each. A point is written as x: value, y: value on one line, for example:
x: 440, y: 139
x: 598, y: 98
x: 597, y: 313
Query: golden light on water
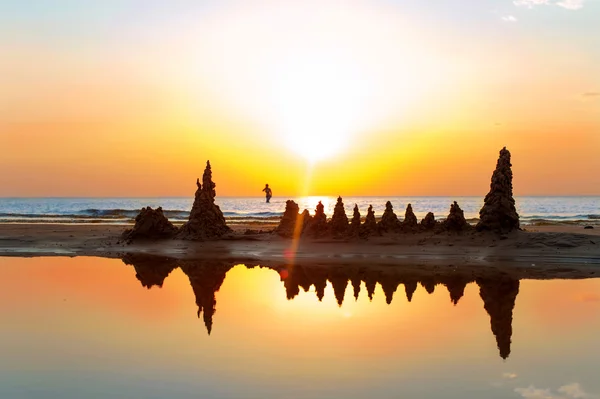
x: 312, y: 201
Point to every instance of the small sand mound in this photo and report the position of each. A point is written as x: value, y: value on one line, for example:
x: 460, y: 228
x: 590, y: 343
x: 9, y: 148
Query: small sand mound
x: 456, y: 219
x: 339, y: 220
x: 288, y: 220
x: 389, y: 221
x: 151, y: 223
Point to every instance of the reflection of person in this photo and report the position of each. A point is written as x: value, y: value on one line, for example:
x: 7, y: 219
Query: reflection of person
x: 268, y: 192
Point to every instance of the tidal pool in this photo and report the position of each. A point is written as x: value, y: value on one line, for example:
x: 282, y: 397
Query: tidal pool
x: 134, y: 328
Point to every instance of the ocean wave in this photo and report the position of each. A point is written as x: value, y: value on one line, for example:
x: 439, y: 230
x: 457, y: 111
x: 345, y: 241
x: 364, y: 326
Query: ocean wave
x: 127, y: 213
x: 132, y: 213
x: 266, y: 215
x: 548, y: 222
x: 178, y: 216
x: 560, y: 217
x: 127, y: 216
x: 119, y: 222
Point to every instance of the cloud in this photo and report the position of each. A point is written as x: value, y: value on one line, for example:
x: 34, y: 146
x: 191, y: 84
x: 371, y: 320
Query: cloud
x: 568, y: 4
x: 569, y: 391
x: 571, y: 4
x: 509, y: 18
x: 591, y: 94
x: 574, y: 391
x: 532, y: 392
x: 509, y: 376
x: 530, y: 3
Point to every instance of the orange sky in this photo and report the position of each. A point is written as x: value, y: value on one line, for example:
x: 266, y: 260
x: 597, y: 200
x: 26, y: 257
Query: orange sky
x: 390, y: 98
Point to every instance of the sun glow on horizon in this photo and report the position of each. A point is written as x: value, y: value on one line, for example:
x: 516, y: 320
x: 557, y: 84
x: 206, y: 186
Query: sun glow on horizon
x: 353, y: 97
x: 318, y: 79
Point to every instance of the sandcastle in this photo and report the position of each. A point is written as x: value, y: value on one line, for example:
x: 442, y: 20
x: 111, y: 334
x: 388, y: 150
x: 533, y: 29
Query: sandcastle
x: 499, y: 212
x: 206, y: 221
x: 339, y: 221
x: 498, y: 215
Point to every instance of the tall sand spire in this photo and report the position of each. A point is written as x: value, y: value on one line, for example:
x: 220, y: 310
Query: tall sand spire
x: 499, y: 212
x: 206, y: 219
x: 339, y: 220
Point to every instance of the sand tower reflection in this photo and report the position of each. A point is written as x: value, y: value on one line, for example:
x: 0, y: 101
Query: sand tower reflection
x: 498, y: 292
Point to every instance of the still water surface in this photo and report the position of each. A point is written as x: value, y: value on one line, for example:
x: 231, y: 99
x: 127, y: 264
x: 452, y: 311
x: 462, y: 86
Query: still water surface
x: 91, y: 328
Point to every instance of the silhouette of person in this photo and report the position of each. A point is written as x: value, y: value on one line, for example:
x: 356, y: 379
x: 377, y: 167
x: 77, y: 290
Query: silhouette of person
x: 268, y: 192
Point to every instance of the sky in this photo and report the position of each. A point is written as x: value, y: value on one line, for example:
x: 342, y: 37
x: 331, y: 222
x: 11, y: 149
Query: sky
x: 380, y: 97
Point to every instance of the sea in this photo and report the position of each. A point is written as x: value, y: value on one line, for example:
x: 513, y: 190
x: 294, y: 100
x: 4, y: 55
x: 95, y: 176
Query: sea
x: 583, y: 210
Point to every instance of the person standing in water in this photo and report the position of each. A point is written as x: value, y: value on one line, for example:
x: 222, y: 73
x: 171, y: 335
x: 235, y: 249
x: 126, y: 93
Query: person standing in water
x: 268, y: 192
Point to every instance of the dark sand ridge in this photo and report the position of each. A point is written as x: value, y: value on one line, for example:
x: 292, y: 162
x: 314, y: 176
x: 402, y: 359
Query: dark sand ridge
x: 542, y: 253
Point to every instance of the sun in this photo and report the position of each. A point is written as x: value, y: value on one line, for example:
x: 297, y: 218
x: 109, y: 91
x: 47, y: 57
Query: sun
x: 314, y: 82
x: 316, y: 144
x: 319, y: 104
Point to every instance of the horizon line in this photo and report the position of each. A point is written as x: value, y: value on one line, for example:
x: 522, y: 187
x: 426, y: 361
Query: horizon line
x: 298, y: 196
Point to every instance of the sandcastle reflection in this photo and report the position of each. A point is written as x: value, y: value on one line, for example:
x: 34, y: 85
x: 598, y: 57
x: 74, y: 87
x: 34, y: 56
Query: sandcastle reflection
x: 498, y: 291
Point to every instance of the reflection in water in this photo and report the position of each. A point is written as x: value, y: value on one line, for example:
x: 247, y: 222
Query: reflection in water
x: 151, y: 271
x: 206, y: 278
x: 499, y: 297
x: 498, y: 292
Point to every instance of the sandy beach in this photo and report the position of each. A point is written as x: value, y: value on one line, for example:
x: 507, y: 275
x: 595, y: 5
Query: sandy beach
x: 550, y: 251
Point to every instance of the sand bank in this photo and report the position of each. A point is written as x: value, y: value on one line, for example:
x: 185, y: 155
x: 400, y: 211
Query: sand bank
x: 548, y: 248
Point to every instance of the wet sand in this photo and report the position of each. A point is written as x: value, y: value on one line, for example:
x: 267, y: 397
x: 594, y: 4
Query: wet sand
x: 551, y: 251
